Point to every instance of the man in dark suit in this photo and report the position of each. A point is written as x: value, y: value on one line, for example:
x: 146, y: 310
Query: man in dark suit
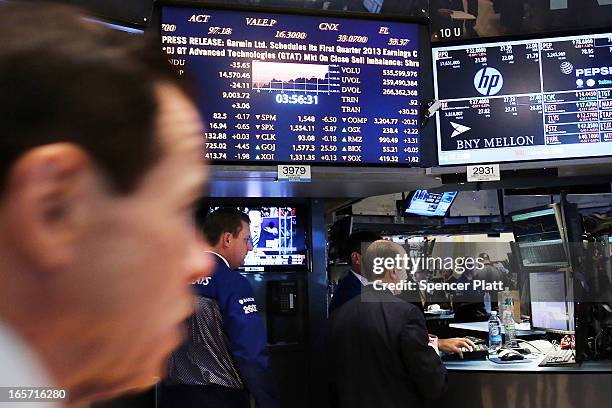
x: 225, y: 357
x: 350, y: 285
x: 382, y: 355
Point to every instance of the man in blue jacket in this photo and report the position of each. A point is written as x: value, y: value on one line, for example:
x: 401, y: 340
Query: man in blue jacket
x: 225, y: 358
x: 350, y: 286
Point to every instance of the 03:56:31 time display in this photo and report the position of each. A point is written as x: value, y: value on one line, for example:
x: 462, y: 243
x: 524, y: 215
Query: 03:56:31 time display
x: 297, y: 99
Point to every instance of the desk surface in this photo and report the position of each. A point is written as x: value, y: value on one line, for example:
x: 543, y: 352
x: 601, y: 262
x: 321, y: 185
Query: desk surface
x: 438, y: 316
x: 530, y: 367
x: 484, y: 327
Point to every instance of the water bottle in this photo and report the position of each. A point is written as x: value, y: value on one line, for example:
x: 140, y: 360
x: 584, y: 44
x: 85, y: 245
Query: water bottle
x: 487, y: 302
x: 510, y: 329
x: 495, y: 334
x: 506, y: 302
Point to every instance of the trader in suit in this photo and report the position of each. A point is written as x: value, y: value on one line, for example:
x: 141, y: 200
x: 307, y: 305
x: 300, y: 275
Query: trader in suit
x: 225, y: 357
x: 381, y: 352
x: 351, y: 284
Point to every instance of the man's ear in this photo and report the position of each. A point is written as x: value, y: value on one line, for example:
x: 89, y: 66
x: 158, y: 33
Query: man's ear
x: 393, y: 274
x: 226, y: 239
x: 356, y: 258
x: 43, y: 195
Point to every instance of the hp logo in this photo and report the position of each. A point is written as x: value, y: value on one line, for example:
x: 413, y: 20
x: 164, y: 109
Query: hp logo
x: 488, y: 81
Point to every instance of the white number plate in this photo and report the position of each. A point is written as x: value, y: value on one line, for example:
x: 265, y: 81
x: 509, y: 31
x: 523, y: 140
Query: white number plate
x: 487, y: 172
x: 289, y: 172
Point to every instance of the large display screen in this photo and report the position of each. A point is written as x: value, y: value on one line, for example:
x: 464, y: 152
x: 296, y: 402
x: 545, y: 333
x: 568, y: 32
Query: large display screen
x: 429, y: 204
x: 524, y: 100
x: 300, y: 88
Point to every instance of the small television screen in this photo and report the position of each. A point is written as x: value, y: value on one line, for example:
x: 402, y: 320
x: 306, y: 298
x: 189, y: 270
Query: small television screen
x: 281, y: 87
x: 534, y: 99
x: 429, y: 204
x: 278, y: 236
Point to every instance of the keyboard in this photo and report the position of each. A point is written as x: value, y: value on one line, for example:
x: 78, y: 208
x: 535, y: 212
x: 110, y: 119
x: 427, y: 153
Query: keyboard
x: 480, y: 352
x: 558, y: 358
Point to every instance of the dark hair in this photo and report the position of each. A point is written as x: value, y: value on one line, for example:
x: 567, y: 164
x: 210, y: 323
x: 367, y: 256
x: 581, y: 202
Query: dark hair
x: 484, y: 256
x: 358, y: 239
x: 66, y: 79
x: 214, y: 225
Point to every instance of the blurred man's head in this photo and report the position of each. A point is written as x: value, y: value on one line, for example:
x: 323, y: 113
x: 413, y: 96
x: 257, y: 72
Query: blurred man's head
x: 419, y: 275
x: 100, y: 162
x: 357, y: 243
x: 485, y: 258
x: 227, y: 232
x: 447, y: 273
x: 374, y: 267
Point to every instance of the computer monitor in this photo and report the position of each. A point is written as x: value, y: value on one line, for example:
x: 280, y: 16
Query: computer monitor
x: 424, y: 203
x: 278, y: 236
x: 539, y: 237
x: 534, y: 99
x: 550, y: 308
x: 302, y: 87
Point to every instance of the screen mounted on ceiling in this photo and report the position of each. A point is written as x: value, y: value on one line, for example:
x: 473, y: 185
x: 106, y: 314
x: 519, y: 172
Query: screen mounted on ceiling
x: 429, y: 204
x: 286, y: 88
x: 524, y: 100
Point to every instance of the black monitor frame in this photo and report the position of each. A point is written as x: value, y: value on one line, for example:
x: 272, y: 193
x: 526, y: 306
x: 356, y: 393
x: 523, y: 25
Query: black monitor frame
x: 427, y: 135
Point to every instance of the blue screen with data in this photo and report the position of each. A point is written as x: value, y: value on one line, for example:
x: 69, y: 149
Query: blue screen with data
x: 286, y: 88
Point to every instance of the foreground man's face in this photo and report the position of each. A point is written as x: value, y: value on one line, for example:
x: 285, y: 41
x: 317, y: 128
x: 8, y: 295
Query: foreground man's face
x: 139, y: 255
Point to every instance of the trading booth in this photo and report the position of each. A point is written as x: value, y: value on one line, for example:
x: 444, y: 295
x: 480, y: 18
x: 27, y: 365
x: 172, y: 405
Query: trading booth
x: 450, y: 127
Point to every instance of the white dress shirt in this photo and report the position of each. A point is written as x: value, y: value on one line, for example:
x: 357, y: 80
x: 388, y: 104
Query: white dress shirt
x: 20, y: 367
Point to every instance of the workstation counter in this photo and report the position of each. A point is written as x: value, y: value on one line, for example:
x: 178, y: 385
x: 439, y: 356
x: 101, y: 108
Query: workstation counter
x: 480, y: 384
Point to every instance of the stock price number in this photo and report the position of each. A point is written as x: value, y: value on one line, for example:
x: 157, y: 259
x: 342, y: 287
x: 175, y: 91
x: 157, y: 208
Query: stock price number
x: 389, y: 159
x: 297, y: 35
x: 302, y: 157
x: 219, y: 30
x: 402, y: 42
x: 353, y: 38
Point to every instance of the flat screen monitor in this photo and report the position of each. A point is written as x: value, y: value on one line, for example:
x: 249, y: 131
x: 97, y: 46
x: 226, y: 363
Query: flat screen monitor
x: 429, y: 204
x: 538, y: 235
x: 524, y: 100
x: 278, y: 236
x: 318, y: 88
x: 549, y: 306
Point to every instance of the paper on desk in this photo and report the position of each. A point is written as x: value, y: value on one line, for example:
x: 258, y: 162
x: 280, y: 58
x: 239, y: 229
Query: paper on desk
x: 523, y: 326
x: 462, y: 15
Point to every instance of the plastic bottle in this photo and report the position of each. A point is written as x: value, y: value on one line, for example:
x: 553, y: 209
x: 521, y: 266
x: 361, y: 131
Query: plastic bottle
x: 510, y: 328
x: 487, y: 302
x: 506, y: 301
x: 495, y: 334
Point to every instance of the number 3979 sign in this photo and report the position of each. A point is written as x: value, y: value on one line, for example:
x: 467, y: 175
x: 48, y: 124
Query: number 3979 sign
x: 293, y: 173
x: 486, y: 172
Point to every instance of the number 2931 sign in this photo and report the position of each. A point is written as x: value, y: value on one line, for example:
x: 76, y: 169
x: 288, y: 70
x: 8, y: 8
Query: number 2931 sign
x: 486, y: 172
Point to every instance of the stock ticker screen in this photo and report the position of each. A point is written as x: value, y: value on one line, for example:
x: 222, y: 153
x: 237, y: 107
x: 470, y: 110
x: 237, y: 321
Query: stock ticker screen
x: 300, y: 88
x: 524, y: 100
